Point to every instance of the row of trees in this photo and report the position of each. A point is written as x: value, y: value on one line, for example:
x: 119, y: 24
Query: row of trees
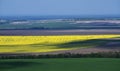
x: 65, y: 55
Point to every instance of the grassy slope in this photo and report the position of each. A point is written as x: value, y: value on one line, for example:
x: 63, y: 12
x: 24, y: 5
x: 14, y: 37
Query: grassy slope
x: 88, y: 64
x: 49, y: 43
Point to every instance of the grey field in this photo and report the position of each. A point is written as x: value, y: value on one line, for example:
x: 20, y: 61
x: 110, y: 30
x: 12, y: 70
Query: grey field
x: 59, y: 32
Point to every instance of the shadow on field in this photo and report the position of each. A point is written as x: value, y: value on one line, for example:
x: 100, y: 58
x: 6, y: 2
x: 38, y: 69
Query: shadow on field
x: 92, y: 43
x: 107, y: 43
x: 86, y: 43
x: 6, y: 65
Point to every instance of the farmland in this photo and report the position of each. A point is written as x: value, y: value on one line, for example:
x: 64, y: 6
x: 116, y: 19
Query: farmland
x: 60, y: 45
x: 33, y: 44
x: 72, y: 64
x: 54, y: 24
x: 59, y: 32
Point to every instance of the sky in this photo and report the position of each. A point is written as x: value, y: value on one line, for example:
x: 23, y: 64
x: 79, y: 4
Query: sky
x: 59, y: 7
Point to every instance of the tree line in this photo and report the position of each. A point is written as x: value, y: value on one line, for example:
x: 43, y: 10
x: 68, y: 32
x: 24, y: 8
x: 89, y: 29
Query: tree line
x: 65, y: 55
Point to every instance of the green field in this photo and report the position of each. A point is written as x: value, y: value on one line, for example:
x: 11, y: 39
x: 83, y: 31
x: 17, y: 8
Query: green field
x: 72, y: 64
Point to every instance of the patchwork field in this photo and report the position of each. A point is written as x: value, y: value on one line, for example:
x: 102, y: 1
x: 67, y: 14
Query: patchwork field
x: 79, y: 64
x: 34, y: 44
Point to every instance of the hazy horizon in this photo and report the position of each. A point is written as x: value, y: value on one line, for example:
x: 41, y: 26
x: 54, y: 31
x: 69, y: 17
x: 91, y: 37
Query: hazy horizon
x: 59, y: 7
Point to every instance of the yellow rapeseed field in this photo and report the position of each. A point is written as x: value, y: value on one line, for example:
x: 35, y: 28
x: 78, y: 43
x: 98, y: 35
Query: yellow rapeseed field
x: 25, y: 44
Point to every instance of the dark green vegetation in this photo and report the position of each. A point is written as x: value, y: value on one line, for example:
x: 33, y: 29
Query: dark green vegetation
x: 63, y: 55
x: 76, y: 64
